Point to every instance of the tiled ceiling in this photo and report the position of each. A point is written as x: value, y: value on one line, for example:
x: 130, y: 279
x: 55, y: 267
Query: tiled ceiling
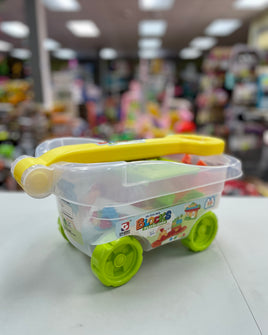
x: 118, y: 23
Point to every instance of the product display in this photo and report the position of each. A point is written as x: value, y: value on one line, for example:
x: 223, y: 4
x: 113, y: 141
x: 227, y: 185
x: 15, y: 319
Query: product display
x: 15, y: 91
x: 117, y: 199
x: 231, y: 102
x: 213, y: 97
x: 245, y: 117
x: 22, y: 127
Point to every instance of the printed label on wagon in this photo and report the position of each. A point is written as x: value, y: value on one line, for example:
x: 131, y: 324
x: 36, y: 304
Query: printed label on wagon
x: 165, y: 225
x: 68, y: 222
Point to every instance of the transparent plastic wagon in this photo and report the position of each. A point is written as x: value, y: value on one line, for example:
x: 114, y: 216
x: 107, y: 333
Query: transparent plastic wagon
x: 114, y: 210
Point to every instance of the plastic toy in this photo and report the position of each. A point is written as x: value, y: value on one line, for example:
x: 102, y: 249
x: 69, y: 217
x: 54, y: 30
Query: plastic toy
x: 117, y: 199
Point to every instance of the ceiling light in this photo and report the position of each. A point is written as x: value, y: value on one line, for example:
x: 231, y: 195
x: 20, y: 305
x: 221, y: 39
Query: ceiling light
x: 5, y: 46
x: 21, y: 53
x: 149, y: 54
x: 223, y: 27
x: 250, y: 4
x: 65, y: 54
x: 51, y: 44
x: 203, y: 43
x: 155, y: 4
x: 108, y: 53
x: 62, y: 5
x: 83, y: 28
x: 189, y: 53
x: 150, y: 43
x: 152, y: 27
x: 14, y: 29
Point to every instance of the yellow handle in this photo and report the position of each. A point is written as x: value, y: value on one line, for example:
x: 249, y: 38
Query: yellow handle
x: 123, y: 151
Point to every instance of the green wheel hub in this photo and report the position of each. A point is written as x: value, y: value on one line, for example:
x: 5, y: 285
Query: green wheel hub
x: 202, y: 233
x: 115, y: 263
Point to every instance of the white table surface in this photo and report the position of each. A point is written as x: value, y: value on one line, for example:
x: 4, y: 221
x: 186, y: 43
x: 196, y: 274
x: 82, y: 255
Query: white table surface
x: 46, y: 285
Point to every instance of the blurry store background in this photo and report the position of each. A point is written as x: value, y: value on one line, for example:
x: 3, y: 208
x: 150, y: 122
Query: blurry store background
x: 128, y: 69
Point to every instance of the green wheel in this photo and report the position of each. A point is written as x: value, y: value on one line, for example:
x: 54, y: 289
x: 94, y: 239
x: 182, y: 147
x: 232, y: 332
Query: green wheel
x: 61, y: 230
x: 115, y: 263
x: 202, y: 233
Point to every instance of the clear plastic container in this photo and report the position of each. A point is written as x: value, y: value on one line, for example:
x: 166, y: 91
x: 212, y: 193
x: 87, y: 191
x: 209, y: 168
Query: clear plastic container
x: 96, y: 199
x: 156, y: 201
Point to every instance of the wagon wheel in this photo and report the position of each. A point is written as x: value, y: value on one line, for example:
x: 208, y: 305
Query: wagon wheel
x: 115, y: 263
x: 202, y: 233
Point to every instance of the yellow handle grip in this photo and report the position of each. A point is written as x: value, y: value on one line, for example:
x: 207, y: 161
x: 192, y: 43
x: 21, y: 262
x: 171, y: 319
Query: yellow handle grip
x: 123, y: 151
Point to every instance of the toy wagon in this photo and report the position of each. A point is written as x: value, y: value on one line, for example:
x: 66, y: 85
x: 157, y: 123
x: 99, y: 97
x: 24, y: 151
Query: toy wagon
x: 117, y: 199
